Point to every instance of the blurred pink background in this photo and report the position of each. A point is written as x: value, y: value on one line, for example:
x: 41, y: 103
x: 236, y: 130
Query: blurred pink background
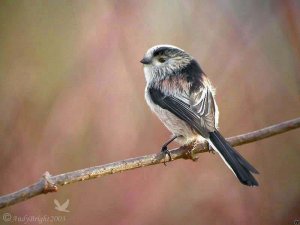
x: 72, y: 96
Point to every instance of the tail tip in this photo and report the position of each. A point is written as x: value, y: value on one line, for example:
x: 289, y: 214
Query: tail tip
x: 250, y: 183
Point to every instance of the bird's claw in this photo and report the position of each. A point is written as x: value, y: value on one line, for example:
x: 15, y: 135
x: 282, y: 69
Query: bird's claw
x: 192, y: 155
x: 166, y: 152
x: 210, y: 149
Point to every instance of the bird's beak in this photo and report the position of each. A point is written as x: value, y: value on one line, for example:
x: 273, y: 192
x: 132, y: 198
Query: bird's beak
x: 146, y: 60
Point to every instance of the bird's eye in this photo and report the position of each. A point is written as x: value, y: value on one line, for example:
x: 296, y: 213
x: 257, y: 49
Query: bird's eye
x: 161, y: 59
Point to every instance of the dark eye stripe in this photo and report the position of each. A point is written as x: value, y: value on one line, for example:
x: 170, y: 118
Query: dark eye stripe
x: 160, y: 51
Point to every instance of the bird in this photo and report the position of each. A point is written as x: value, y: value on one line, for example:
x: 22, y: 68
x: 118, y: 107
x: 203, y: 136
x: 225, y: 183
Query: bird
x: 181, y: 95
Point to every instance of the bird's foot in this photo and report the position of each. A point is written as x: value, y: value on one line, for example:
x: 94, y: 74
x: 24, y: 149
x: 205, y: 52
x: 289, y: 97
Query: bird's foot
x: 191, y: 152
x: 166, y: 152
x: 210, y: 149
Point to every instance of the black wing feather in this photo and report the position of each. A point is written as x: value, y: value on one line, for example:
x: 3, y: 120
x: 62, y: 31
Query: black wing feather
x: 179, y: 108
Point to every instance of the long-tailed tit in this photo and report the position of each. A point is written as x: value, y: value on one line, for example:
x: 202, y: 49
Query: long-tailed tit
x: 182, y: 97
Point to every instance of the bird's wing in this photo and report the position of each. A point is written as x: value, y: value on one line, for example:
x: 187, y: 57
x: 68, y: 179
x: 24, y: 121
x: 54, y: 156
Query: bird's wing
x: 196, y: 109
x: 66, y: 204
x: 56, y: 203
x: 202, y: 102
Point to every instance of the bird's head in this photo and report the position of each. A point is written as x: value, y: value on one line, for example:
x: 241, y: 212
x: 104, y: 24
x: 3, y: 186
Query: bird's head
x: 164, y: 60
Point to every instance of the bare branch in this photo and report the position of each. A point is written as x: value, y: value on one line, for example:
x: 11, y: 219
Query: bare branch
x: 49, y: 183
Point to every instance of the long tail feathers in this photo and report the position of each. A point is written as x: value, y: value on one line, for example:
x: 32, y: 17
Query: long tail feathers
x: 239, y: 166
